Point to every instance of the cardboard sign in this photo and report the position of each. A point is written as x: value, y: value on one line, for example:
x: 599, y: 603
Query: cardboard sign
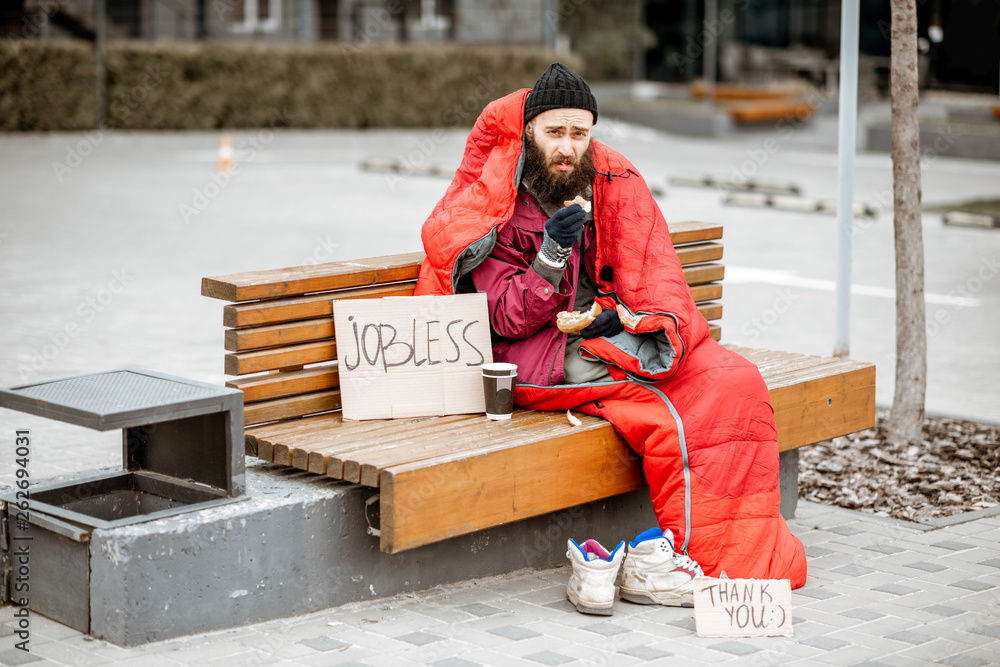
x: 743, y: 608
x: 412, y: 356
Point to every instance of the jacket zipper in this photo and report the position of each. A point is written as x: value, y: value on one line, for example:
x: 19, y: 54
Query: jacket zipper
x: 555, y: 358
x: 682, y: 442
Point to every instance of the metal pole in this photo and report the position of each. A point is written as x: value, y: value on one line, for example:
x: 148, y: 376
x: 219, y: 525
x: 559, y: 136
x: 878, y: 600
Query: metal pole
x: 846, y: 146
x: 99, y: 60
x: 551, y: 25
x: 711, y: 22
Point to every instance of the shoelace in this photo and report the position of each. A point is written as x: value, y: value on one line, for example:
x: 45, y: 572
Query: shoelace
x: 688, y: 563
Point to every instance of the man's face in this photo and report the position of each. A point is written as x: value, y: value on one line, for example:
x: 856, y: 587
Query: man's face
x: 563, y: 136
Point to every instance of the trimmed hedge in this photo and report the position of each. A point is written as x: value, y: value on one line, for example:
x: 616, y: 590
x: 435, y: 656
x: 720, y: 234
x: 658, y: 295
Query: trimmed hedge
x: 46, y: 86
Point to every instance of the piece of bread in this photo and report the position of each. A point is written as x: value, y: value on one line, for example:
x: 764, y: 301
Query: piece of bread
x: 628, y: 319
x: 584, y: 204
x: 571, y: 321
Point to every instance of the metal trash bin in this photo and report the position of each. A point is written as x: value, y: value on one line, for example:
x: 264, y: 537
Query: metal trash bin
x: 182, y: 450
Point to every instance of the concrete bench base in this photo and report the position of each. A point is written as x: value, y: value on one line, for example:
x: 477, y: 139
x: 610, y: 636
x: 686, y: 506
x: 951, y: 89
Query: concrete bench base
x: 299, y: 544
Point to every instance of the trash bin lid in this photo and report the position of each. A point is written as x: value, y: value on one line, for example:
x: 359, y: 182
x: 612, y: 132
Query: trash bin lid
x: 119, y: 399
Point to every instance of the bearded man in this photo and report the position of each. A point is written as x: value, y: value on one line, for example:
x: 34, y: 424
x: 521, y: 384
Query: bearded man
x: 698, y: 415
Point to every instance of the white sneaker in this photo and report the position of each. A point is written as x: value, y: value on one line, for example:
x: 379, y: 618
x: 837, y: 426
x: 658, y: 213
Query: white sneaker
x: 654, y: 574
x: 592, y: 587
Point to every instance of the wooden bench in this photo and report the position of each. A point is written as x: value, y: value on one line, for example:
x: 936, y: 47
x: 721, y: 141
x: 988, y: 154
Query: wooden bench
x: 768, y: 110
x: 281, y: 346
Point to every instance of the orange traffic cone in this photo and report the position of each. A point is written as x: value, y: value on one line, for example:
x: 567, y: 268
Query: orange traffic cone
x: 226, y: 154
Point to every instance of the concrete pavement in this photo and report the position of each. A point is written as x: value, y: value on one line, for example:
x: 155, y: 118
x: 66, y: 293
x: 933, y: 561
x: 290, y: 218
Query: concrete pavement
x: 880, y: 592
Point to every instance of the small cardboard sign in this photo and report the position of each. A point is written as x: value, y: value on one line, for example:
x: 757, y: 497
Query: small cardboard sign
x: 743, y: 608
x: 413, y: 356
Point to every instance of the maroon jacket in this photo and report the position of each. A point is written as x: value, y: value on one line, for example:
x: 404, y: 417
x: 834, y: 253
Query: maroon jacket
x: 523, y: 305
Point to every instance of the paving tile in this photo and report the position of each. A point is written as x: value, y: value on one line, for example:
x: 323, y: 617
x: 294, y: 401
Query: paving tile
x: 273, y: 644
x: 491, y: 656
x: 846, y: 600
x: 848, y: 655
x: 456, y: 662
x: 550, y: 658
x: 963, y: 661
x: 881, y: 643
x: 817, y: 552
x: 566, y: 634
x: 157, y: 661
x: 926, y: 566
x: 992, y: 562
x: 853, y: 570
x: 561, y: 605
x: 544, y: 595
x: 986, y: 630
x: 972, y: 585
x: 885, y: 548
x: 605, y: 654
x: 607, y: 629
x: 942, y: 610
x: 910, y: 637
x: 862, y: 614
x: 846, y: 531
x: 952, y: 545
x: 646, y: 652
x: 823, y: 643
x: 816, y: 593
x: 514, y: 632
x: 323, y: 643
x: 480, y: 609
x: 18, y: 657
x: 734, y: 647
x: 419, y: 638
x: 896, y: 589
x: 684, y: 623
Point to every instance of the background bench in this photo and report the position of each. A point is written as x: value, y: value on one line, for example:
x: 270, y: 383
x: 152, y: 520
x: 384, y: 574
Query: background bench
x: 281, y: 346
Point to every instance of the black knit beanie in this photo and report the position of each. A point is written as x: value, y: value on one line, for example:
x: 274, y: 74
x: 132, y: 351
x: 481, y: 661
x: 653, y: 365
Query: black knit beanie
x: 559, y: 88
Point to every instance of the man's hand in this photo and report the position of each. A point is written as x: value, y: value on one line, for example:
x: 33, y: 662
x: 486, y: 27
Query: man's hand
x: 564, y: 227
x: 606, y: 324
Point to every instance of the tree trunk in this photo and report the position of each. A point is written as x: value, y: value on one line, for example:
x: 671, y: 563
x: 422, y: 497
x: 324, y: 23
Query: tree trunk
x: 907, y: 416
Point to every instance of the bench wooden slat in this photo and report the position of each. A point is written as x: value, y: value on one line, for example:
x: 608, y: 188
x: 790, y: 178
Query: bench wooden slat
x: 711, y: 311
x: 323, y: 459
x: 699, y: 252
x: 276, y: 311
x: 699, y: 274
x: 278, y: 385
x: 689, y: 231
x: 715, y: 332
x: 365, y: 465
x: 707, y: 292
x: 451, y: 427
x: 244, y: 363
x: 298, y: 280
x: 275, y: 335
x: 282, y: 408
x: 760, y: 111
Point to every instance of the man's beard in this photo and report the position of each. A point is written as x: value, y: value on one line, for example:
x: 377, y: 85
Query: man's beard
x: 550, y: 185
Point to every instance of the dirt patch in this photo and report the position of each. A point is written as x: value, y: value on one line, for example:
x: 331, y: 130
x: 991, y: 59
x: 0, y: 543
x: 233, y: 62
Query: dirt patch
x: 954, y: 469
